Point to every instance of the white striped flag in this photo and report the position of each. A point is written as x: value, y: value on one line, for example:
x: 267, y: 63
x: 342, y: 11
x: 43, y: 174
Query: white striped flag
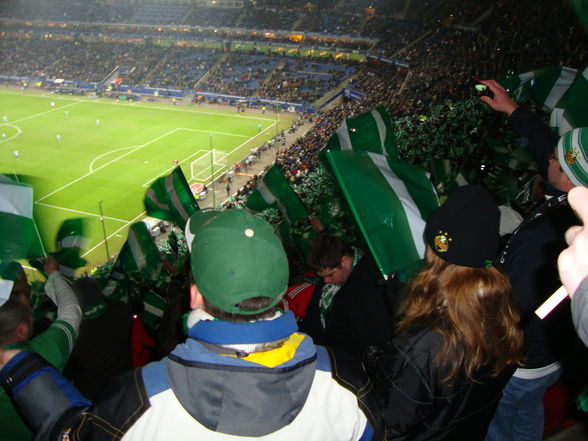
x: 390, y: 200
x: 141, y: 252
x: 117, y: 286
x: 561, y: 90
x: 273, y: 191
x: 9, y: 272
x: 170, y: 198
x: 154, y: 307
x: 16, y: 219
x: 370, y: 132
x: 70, y: 244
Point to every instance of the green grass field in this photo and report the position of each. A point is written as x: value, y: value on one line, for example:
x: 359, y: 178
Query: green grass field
x: 115, y: 161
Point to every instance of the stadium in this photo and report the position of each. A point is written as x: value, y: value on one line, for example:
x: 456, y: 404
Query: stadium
x: 355, y: 117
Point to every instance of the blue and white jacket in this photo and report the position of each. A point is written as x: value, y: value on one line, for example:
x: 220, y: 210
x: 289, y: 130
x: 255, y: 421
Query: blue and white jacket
x: 206, y: 391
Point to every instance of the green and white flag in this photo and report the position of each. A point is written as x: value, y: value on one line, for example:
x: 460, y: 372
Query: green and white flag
x: 9, y: 271
x: 274, y: 191
x: 70, y: 244
x: 390, y: 200
x: 561, y: 90
x: 154, y: 307
x: 16, y: 219
x: 117, y: 286
x: 170, y: 198
x: 370, y: 132
x: 141, y: 252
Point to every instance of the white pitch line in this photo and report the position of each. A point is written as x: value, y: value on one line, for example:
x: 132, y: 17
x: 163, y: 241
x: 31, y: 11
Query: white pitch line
x: 91, y: 166
x: 45, y: 112
x: 140, y: 106
x: 104, y: 165
x: 214, y: 133
x: 80, y: 212
x: 116, y: 232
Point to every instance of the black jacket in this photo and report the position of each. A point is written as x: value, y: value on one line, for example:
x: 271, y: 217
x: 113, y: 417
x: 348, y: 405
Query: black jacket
x: 360, y: 315
x: 530, y: 259
x: 419, y: 405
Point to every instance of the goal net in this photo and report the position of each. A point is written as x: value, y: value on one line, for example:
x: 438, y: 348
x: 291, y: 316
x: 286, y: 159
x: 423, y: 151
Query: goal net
x: 203, y: 167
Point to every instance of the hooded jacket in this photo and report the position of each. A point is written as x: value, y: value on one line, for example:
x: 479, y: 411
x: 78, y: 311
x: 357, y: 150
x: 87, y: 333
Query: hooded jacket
x: 205, y: 390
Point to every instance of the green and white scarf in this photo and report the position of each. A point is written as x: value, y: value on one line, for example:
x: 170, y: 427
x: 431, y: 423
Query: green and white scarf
x: 330, y: 289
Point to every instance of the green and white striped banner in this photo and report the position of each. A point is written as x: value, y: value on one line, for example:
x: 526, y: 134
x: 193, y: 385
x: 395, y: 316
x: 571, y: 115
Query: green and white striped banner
x: 16, y: 219
x: 561, y: 90
x: 70, y: 244
x: 274, y: 191
x: 390, y: 200
x: 9, y: 271
x: 170, y: 198
x: 370, y: 132
x: 141, y: 251
x: 154, y: 307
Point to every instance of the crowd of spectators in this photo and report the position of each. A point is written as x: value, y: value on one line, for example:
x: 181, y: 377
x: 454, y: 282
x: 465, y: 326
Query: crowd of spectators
x: 239, y: 74
x: 444, y: 63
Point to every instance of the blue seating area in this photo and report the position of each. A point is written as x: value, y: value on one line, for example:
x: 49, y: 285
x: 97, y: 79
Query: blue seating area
x: 183, y: 67
x: 240, y: 74
x: 280, y: 19
x: 213, y: 17
x: 161, y: 14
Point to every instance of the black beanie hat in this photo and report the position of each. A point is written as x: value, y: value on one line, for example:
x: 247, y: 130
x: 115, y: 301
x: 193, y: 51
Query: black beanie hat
x: 464, y: 230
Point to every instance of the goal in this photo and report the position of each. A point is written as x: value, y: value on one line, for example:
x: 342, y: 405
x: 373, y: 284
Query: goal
x: 202, y: 168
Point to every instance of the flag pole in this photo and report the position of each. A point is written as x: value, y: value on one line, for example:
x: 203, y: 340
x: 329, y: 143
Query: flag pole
x: 212, y: 170
x: 104, y: 231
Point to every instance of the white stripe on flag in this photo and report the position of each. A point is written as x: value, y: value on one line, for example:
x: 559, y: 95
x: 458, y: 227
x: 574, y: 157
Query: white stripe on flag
x: 561, y: 86
x: 266, y: 193
x: 71, y: 242
x: 136, y: 250
x: 415, y: 222
x: 170, y: 187
x: 381, y: 130
x: 153, y: 198
x: 16, y: 199
x: 5, y: 290
x: 343, y: 135
x: 153, y: 309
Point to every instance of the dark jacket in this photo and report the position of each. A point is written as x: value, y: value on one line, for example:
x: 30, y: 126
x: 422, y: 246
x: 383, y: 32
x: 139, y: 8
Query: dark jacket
x: 530, y: 259
x: 360, y: 315
x: 419, y: 405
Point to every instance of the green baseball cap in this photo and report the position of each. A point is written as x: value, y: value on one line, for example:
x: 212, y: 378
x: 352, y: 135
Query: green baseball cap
x: 572, y: 154
x: 236, y: 256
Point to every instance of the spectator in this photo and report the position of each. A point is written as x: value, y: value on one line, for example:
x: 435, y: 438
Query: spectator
x: 572, y: 263
x: 529, y: 260
x: 243, y: 372
x: 350, y: 309
x: 458, y: 338
x: 103, y: 349
x: 54, y: 344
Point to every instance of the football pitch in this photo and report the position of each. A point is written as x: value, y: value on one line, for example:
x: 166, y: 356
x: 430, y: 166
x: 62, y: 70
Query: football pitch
x: 92, y: 154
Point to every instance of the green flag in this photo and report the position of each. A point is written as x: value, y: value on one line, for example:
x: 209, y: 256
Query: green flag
x: 561, y: 90
x: 390, y: 200
x: 16, y: 219
x: 9, y: 271
x: 370, y: 132
x: 141, y: 252
x: 170, y: 198
x: 117, y: 285
x: 70, y: 244
x: 273, y: 191
x: 154, y: 307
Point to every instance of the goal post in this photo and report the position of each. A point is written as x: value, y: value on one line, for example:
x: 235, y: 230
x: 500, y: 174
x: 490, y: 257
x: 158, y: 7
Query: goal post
x: 203, y: 167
